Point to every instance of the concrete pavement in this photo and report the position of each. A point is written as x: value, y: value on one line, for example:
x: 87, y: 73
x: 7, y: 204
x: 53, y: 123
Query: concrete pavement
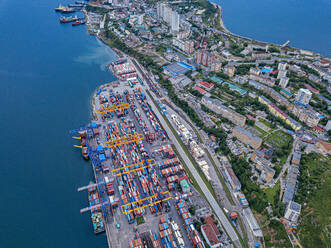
x: 218, y: 211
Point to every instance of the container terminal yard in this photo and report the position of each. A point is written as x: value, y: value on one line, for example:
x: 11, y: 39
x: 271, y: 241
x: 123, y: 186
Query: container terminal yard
x: 141, y: 195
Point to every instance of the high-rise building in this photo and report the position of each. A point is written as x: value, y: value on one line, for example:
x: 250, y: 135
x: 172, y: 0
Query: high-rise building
x: 284, y: 82
x: 140, y: 19
x: 204, y: 58
x: 189, y: 46
x: 303, y: 96
x: 282, y: 66
x: 174, y: 21
x: 167, y: 14
x: 281, y: 74
x: 158, y: 10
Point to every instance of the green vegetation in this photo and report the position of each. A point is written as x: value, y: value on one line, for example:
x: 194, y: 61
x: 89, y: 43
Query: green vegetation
x: 255, y: 196
x: 276, y: 235
x: 280, y: 139
x: 271, y: 193
x: 220, y: 177
x: 195, y: 93
x: 140, y: 220
x: 236, y: 50
x: 97, y: 10
x: 282, y: 144
x: 315, y: 190
x: 243, y: 69
x: 273, y: 49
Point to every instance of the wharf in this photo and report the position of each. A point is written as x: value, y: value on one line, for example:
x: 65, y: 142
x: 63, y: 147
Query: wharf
x: 141, y: 117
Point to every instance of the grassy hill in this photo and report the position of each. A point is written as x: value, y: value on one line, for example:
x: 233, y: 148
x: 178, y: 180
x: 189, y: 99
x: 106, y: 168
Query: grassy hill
x: 314, y: 190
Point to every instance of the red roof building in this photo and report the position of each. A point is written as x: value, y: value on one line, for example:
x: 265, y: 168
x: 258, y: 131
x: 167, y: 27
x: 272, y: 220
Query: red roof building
x: 209, y: 220
x: 202, y: 91
x: 210, y: 236
x: 206, y: 85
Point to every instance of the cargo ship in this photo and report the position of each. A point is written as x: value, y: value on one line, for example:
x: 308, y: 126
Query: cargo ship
x: 78, y: 22
x: 84, y: 146
x: 64, y: 9
x: 96, y: 212
x: 68, y: 19
x: 67, y: 10
x: 60, y: 8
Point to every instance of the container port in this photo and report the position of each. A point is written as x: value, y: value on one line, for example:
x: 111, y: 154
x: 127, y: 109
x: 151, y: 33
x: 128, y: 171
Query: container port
x: 142, y: 194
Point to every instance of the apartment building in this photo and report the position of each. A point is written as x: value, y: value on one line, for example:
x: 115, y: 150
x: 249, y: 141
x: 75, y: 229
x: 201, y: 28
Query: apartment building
x: 246, y: 137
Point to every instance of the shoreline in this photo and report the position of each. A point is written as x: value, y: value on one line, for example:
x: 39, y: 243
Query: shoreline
x: 228, y: 32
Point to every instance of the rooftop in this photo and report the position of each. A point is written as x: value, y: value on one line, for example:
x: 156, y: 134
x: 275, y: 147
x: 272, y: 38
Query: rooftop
x: 295, y: 206
x: 210, y: 234
x: 247, y: 133
x: 206, y: 84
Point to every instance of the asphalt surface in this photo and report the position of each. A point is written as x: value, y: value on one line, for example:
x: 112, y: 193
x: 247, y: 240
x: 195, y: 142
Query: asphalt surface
x: 218, y: 211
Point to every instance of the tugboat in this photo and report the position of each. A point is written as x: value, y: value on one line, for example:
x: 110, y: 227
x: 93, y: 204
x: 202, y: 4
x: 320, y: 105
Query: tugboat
x: 64, y: 19
x: 78, y: 22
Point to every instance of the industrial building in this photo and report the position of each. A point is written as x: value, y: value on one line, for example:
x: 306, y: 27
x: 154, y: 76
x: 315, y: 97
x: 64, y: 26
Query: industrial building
x: 292, y: 211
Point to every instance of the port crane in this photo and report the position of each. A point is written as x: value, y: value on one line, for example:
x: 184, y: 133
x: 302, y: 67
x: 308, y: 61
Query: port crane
x: 87, y: 128
x: 100, y: 184
x: 146, y: 163
x: 124, y: 140
x: 114, y: 107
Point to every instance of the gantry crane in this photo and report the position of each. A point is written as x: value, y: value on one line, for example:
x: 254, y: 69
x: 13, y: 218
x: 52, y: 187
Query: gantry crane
x: 124, y: 140
x: 114, y: 107
x: 151, y: 163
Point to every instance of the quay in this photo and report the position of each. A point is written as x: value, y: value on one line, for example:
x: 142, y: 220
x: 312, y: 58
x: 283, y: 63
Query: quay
x: 128, y: 144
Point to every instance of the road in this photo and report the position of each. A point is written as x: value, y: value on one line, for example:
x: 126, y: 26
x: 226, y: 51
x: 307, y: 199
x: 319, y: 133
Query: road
x: 213, y: 203
x: 218, y: 211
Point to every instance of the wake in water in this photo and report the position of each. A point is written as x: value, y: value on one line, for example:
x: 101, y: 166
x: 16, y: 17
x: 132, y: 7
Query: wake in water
x: 101, y: 55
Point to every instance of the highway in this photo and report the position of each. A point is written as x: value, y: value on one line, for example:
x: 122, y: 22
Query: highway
x: 218, y: 211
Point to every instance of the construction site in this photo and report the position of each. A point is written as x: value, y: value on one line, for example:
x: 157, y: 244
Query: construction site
x: 141, y: 195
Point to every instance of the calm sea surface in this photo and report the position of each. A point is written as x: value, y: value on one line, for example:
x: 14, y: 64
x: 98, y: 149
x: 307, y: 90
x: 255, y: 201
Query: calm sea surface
x: 306, y: 23
x: 48, y: 73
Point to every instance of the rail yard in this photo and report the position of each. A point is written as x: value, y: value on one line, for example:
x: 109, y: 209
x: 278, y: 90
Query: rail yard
x: 142, y: 195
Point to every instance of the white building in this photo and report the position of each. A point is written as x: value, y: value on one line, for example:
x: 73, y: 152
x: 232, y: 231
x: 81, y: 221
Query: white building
x: 328, y: 126
x: 282, y: 66
x: 303, y: 96
x: 174, y: 21
x: 281, y: 74
x: 284, y: 82
x: 140, y: 19
x: 292, y: 211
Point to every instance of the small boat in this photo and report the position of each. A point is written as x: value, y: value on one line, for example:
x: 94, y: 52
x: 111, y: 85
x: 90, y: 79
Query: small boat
x: 64, y: 19
x: 78, y: 22
x: 79, y: 2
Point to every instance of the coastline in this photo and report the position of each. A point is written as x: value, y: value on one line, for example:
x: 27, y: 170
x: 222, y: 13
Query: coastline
x: 221, y: 22
x: 228, y: 32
